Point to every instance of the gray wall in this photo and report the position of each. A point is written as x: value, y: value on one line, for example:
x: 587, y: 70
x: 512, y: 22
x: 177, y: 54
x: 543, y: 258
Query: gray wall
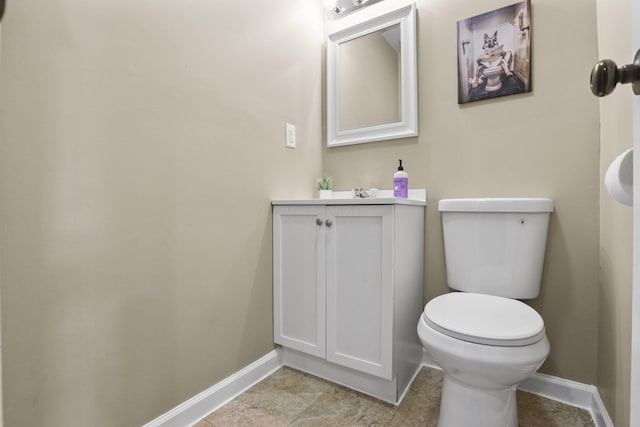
x: 540, y: 144
x: 616, y: 222
x: 142, y: 143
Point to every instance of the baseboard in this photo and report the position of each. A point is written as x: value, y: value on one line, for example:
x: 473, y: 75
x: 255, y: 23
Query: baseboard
x: 570, y: 392
x: 193, y: 410
x: 599, y: 412
x: 379, y: 388
x: 199, y: 406
x: 566, y: 391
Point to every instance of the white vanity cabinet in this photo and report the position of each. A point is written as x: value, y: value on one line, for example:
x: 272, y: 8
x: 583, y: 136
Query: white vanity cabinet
x: 299, y: 290
x: 348, y: 290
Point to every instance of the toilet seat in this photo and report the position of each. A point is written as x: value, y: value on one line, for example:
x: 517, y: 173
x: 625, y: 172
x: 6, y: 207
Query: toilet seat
x: 484, y: 319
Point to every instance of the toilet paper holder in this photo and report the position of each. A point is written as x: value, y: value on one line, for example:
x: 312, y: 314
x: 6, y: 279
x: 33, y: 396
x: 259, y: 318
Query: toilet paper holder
x: 606, y: 75
x: 618, y: 179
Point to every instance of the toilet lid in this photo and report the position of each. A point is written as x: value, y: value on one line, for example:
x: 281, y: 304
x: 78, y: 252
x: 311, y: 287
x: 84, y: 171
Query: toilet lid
x: 484, y: 319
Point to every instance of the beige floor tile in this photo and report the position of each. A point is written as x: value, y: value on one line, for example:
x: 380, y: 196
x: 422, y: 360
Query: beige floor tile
x: 268, y: 407
x: 585, y: 417
x: 537, y: 411
x: 428, y: 382
x: 416, y: 411
x: 293, y: 398
x: 293, y: 381
x: 341, y: 406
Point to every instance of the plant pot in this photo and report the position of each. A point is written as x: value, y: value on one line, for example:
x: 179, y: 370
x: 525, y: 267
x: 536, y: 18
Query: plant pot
x: 325, y: 194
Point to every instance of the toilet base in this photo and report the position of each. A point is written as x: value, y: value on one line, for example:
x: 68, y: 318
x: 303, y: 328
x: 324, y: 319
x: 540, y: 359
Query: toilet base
x: 493, y: 83
x: 463, y: 406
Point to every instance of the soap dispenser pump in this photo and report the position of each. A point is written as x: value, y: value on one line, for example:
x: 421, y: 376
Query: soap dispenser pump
x: 400, y: 182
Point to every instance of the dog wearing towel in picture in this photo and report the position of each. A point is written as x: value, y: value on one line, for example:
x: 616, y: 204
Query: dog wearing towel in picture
x: 492, y: 56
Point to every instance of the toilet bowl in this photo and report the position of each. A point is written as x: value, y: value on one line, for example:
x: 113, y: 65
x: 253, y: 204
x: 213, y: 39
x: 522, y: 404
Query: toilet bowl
x: 493, y: 74
x: 485, y: 340
x: 486, y: 346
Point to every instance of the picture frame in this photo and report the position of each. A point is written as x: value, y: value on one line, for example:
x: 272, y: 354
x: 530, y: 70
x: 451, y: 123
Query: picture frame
x: 494, y: 53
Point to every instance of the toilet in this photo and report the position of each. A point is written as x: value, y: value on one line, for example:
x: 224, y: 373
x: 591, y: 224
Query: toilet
x: 485, y: 340
x: 493, y: 74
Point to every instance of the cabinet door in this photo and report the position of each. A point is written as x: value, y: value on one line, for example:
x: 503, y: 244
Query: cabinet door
x: 360, y: 288
x: 299, y: 297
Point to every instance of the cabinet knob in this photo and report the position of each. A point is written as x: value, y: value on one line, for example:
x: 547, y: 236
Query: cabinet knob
x: 318, y: 221
x: 328, y: 223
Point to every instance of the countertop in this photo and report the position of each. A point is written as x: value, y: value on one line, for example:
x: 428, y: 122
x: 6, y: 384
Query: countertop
x: 417, y: 197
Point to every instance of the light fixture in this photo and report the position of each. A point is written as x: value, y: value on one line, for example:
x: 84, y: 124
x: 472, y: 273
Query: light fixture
x: 340, y: 8
x: 333, y: 6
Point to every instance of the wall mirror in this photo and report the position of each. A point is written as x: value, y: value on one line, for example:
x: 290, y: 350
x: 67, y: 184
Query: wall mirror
x: 371, y: 80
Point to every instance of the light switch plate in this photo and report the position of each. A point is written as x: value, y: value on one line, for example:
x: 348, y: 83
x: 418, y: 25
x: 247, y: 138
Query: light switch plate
x: 290, y: 140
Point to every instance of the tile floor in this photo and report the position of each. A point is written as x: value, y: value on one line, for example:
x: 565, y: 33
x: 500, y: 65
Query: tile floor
x: 292, y: 398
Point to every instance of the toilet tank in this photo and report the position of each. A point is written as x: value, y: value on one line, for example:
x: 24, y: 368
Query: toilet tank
x: 495, y: 246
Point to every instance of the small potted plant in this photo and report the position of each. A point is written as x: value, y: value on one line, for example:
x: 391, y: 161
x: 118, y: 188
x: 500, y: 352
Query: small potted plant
x: 325, y: 187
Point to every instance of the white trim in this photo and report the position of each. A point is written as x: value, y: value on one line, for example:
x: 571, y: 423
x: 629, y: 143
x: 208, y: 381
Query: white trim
x: 566, y: 391
x: 570, y: 392
x: 428, y: 361
x: 634, y: 404
x: 599, y: 412
x: 201, y: 405
x: 371, y: 385
x: 407, y: 126
x: 193, y: 410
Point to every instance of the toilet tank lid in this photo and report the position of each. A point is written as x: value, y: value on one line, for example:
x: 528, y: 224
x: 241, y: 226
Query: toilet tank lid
x: 512, y: 204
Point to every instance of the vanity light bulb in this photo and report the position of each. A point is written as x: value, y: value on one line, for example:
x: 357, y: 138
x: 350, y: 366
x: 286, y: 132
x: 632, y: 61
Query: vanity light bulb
x: 333, y: 6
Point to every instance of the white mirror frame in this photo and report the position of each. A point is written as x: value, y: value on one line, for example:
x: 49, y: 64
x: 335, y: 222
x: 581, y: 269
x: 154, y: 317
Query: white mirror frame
x: 408, y: 125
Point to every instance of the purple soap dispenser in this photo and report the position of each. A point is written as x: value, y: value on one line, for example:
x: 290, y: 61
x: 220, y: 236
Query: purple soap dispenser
x: 400, y: 182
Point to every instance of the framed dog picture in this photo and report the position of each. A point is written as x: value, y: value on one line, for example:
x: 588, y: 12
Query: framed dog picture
x: 494, y: 53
